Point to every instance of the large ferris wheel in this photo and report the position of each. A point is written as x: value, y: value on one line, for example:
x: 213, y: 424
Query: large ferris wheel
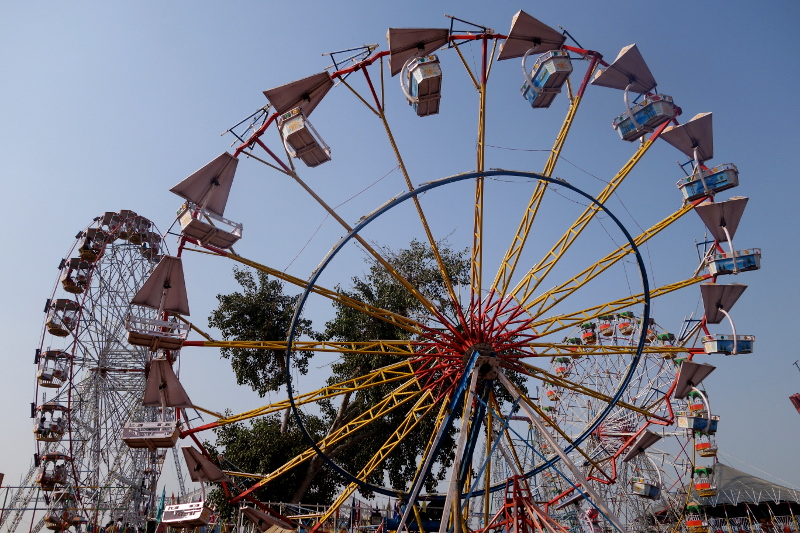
x: 541, y: 381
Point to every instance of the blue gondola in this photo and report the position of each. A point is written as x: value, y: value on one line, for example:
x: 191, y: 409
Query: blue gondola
x: 548, y: 75
x: 648, y: 114
x: 425, y: 85
x: 718, y: 179
x: 724, y: 344
x: 723, y: 263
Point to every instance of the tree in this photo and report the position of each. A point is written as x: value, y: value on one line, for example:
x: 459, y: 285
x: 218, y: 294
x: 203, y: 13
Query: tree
x: 262, y: 312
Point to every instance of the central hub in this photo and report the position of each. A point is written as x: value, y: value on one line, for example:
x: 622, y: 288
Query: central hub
x: 487, y: 360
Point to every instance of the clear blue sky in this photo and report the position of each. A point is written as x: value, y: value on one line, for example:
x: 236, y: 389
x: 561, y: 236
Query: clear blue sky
x: 105, y: 106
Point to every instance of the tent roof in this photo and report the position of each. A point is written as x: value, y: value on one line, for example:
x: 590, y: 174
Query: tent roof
x: 527, y: 32
x: 210, y: 186
x: 305, y: 93
x: 628, y: 68
x: 165, y: 282
x: 735, y: 487
x: 163, y: 378
x: 407, y: 43
x: 697, y: 132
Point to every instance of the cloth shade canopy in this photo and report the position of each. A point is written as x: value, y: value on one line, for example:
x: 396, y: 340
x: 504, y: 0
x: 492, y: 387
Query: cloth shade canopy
x: 266, y: 522
x: 645, y: 440
x: 200, y: 468
x: 691, y: 375
x: 162, y: 380
x: 528, y: 33
x: 628, y: 68
x: 305, y: 94
x: 408, y: 43
x: 165, y: 289
x: 717, y: 296
x: 719, y: 215
x: 698, y: 132
x: 210, y: 186
x: 735, y: 487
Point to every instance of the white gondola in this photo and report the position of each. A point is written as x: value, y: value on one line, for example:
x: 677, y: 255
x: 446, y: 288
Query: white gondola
x: 51, y: 422
x: 164, y: 290
x: 630, y: 73
x: 725, y: 344
x: 699, y: 184
x: 162, y: 390
x: 544, y: 81
x: 206, y: 192
x: 422, y: 84
x: 53, y: 368
x: 62, y: 317
x: 645, y: 488
x: 301, y: 139
x: 411, y: 55
x: 732, y: 262
x: 194, y: 514
x: 294, y: 103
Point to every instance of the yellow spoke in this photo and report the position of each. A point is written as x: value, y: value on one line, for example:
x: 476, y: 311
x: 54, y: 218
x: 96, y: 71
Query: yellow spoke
x: 400, y: 396
x: 402, y: 370
x: 505, y: 273
x: 404, y: 428
x: 553, y: 296
x: 382, y: 314
x: 402, y: 348
x: 538, y: 272
x: 571, y: 320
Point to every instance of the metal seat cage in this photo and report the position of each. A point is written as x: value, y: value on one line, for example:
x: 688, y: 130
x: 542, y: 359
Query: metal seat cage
x: 297, y: 114
x: 200, y: 223
x: 157, y: 328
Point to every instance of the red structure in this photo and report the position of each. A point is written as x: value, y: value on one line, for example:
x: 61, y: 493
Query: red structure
x: 519, y: 514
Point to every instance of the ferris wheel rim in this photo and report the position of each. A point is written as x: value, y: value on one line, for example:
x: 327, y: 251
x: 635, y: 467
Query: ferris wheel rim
x: 413, y: 194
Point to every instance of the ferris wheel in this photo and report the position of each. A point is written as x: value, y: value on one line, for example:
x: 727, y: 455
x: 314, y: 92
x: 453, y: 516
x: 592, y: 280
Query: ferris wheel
x: 536, y: 376
x: 89, y: 382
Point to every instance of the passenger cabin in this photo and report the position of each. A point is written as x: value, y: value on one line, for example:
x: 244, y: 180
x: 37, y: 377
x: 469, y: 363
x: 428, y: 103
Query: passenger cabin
x: 705, y: 445
x: 53, y: 368
x: 63, y: 512
x: 625, y: 323
x: 165, y: 391
x: 704, y: 484
x: 75, y: 278
x: 695, y: 521
x: 606, y: 325
x: 52, y: 472
x: 126, y: 223
x: 644, y: 117
x: 700, y: 424
x: 725, y: 344
x: 708, y: 183
x: 62, y: 317
x: 529, y: 36
x: 151, y: 248
x: 269, y: 523
x: 301, y: 139
x: 422, y: 85
x: 94, y: 240
x: 630, y: 74
x: 589, y: 333
x: 545, y: 79
x: 734, y: 262
x: 411, y: 54
x: 51, y: 422
x: 206, y: 193
x: 202, y: 470
x: 164, y: 291
x: 294, y: 103
x: 645, y: 488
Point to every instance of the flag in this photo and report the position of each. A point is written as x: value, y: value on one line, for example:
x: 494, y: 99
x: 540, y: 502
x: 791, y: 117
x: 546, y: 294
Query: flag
x: 161, y: 504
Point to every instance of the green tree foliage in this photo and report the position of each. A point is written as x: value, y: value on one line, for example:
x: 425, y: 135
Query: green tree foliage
x: 418, y: 265
x: 259, y: 448
x: 261, y: 312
